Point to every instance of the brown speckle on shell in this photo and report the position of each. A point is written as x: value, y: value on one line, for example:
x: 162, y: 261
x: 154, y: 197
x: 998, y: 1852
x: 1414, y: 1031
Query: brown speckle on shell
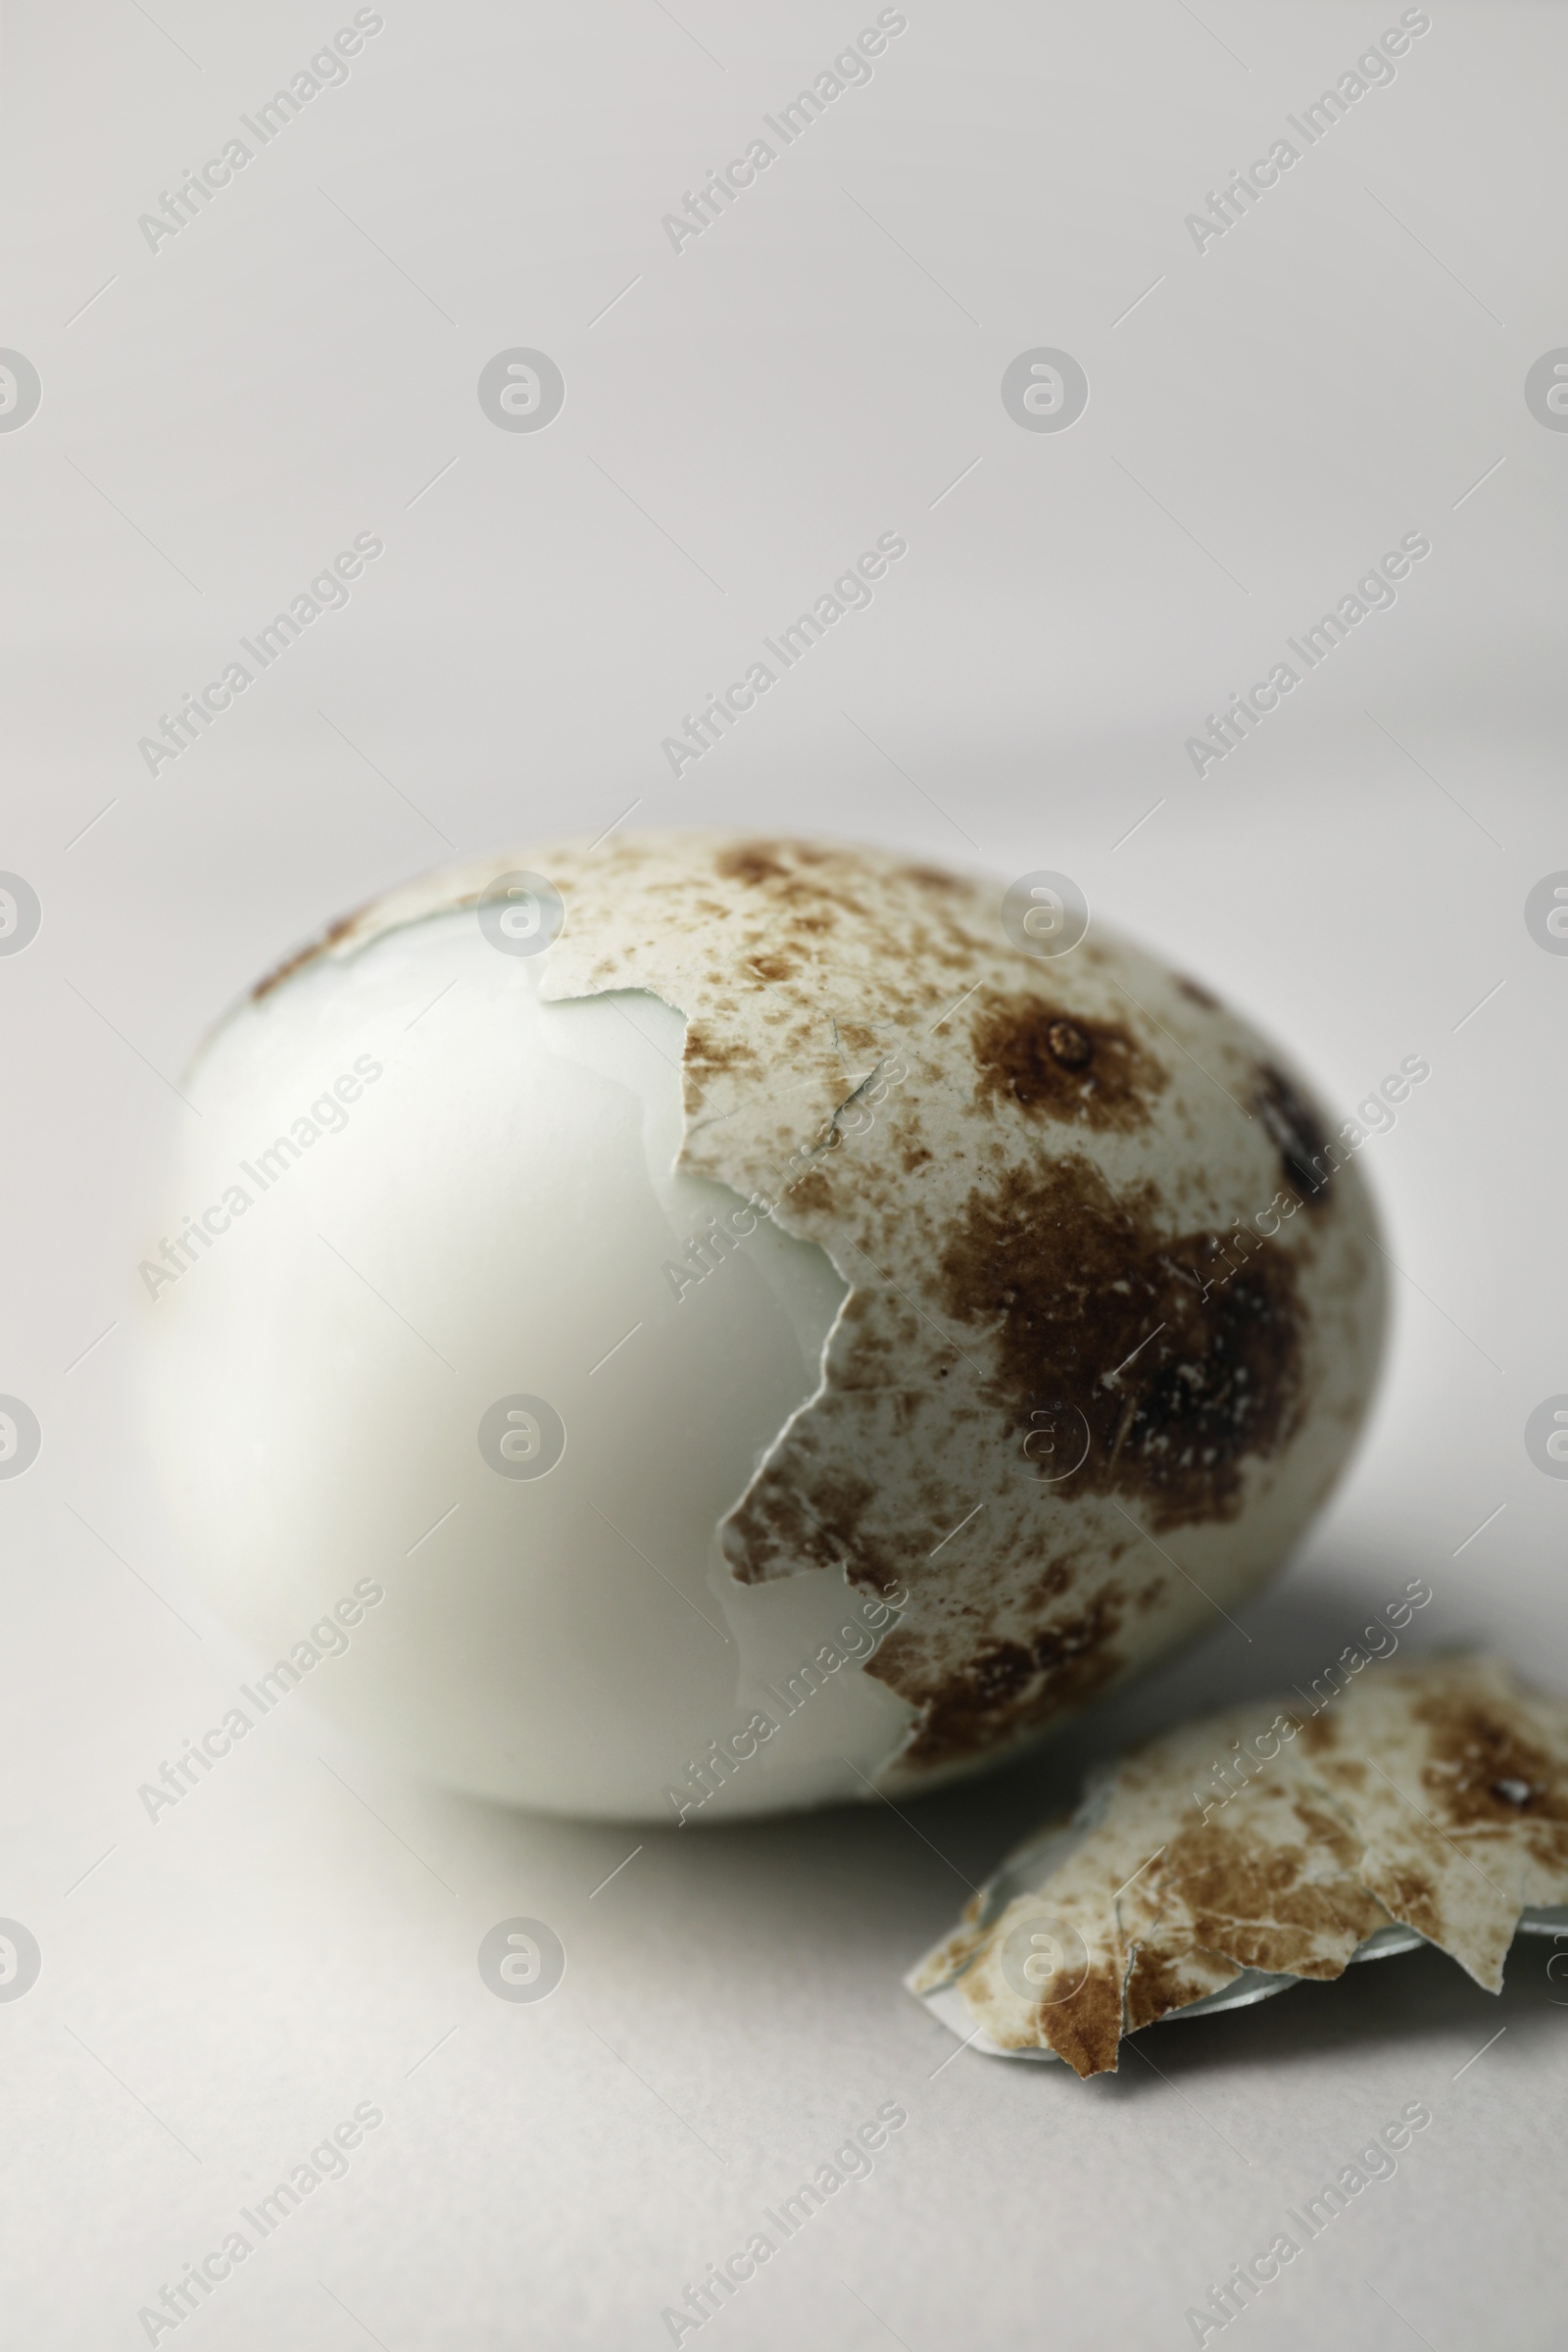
x: 300, y: 957
x: 1035, y: 1054
x: 1006, y: 1687
x: 752, y: 861
x: 1184, y: 1357
x: 1307, y: 1157
x: 1485, y: 1768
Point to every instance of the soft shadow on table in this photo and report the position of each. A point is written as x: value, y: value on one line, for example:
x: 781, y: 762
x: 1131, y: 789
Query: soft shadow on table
x: 1286, y: 1639
x: 1417, y: 2001
x: 853, y: 1894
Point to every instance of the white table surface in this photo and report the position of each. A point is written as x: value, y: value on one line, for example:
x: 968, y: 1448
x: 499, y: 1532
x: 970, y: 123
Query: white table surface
x: 221, y: 1988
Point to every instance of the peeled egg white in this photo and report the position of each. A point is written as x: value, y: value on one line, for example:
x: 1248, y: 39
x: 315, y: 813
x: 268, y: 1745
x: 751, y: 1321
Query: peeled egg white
x: 433, y: 1177
x: 490, y: 1219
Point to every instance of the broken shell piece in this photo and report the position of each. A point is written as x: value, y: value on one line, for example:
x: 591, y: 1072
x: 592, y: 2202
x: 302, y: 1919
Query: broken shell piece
x: 1219, y: 1863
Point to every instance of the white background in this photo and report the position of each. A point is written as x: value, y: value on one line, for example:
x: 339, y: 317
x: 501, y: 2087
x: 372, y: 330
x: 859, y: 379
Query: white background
x: 300, y: 364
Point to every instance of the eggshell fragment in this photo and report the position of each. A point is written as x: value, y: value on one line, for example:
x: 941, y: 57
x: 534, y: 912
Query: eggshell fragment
x: 1109, y: 1309
x: 1432, y: 1798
